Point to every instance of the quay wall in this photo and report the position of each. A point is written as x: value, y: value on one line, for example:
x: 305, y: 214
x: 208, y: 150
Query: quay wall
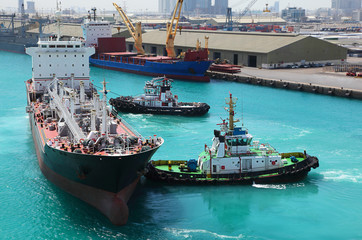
x: 290, y: 85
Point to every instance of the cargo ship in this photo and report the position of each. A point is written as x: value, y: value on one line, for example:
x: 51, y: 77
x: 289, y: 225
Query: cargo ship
x: 81, y: 146
x: 14, y: 39
x: 111, y: 53
x: 233, y: 158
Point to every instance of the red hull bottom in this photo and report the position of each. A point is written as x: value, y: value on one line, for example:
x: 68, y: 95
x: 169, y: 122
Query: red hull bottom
x: 112, y: 205
x: 181, y: 77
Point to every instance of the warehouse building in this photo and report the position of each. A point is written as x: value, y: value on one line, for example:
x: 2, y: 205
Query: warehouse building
x: 253, y: 49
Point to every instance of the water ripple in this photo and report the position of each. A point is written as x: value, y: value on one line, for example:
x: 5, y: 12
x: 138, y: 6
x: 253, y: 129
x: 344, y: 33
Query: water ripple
x: 200, y: 233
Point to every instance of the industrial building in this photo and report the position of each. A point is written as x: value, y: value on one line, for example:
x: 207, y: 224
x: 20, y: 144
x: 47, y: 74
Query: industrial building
x: 195, y: 6
x: 293, y: 14
x: 263, y: 50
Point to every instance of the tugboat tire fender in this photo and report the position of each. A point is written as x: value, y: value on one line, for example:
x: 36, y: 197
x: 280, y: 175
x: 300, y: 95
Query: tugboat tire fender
x: 163, y: 176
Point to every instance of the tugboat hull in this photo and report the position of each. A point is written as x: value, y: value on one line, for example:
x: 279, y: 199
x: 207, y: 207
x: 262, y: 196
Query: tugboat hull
x: 184, y: 109
x: 279, y: 175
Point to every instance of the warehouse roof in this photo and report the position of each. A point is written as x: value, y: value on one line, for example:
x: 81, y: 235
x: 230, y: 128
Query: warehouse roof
x: 67, y: 29
x: 227, y: 41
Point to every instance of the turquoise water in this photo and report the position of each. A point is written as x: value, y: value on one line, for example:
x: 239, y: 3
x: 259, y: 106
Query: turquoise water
x: 326, y: 205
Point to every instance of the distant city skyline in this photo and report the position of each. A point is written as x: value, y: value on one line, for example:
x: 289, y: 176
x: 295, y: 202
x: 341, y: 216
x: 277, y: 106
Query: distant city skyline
x: 152, y: 5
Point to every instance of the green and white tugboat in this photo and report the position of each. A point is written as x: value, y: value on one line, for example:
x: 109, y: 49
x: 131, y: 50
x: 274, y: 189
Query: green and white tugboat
x: 235, y: 158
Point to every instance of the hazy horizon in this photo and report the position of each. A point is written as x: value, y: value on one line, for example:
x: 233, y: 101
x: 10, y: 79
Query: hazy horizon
x: 152, y: 5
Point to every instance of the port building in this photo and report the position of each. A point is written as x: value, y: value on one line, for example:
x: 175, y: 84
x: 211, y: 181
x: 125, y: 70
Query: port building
x: 253, y: 49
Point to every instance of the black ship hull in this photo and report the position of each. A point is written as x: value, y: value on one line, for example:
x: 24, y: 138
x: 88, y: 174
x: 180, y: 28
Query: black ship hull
x: 105, y: 182
x: 15, y: 47
x: 183, y: 109
x: 280, y: 175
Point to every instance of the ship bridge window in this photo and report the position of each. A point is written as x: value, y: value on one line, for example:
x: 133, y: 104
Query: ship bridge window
x: 237, y: 142
x: 61, y: 46
x: 51, y: 46
x: 44, y: 46
x: 69, y: 46
x: 77, y: 46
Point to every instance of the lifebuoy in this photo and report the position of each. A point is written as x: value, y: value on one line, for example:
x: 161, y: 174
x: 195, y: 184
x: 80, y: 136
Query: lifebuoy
x: 81, y: 140
x: 269, y: 152
x: 273, y: 162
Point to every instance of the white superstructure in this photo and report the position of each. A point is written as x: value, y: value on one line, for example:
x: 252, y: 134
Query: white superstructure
x: 66, y: 60
x: 94, y: 29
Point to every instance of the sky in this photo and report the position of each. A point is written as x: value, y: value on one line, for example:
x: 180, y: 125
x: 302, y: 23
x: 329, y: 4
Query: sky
x: 151, y: 5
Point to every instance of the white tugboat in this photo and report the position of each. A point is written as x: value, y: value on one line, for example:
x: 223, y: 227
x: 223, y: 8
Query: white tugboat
x: 234, y: 158
x: 158, y: 99
x: 81, y: 147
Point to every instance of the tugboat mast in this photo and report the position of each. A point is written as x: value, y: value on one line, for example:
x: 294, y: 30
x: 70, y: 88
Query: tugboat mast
x: 232, y: 103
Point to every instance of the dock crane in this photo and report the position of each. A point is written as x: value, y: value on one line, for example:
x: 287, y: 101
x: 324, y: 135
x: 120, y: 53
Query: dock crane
x: 136, y: 32
x: 247, y: 8
x: 171, y: 33
x: 266, y: 8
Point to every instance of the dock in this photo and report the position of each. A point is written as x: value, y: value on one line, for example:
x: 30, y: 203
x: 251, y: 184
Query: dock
x: 313, y: 80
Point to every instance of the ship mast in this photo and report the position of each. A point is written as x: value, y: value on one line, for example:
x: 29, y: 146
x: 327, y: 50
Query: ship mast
x: 104, y: 110
x: 232, y: 103
x: 58, y: 14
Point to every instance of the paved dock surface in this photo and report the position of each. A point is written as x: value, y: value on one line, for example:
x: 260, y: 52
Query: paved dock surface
x: 315, y: 76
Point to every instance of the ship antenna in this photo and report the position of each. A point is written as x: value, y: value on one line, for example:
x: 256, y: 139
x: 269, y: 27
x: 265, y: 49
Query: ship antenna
x: 231, y: 102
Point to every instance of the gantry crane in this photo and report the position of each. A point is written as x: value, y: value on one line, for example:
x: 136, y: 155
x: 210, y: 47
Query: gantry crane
x: 171, y: 32
x: 247, y: 8
x: 135, y: 32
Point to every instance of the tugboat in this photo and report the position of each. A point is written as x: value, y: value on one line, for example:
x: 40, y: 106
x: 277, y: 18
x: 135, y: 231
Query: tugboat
x: 234, y: 158
x: 158, y: 99
x: 81, y: 146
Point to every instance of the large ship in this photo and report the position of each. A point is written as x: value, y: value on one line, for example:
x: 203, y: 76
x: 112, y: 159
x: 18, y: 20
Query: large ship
x: 111, y: 52
x: 82, y: 147
x: 234, y: 158
x: 13, y: 37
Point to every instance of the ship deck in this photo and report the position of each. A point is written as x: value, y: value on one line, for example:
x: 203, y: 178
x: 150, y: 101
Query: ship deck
x: 49, y: 135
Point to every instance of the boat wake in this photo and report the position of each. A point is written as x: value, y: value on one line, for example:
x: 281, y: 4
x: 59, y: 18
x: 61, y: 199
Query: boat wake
x: 343, y: 176
x: 197, y: 233
x: 278, y: 186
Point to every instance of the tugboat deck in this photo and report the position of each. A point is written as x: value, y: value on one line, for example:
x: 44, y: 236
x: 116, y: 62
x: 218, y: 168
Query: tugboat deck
x: 164, y: 165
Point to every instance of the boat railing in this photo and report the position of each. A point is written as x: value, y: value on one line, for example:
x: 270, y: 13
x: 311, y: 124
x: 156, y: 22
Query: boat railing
x: 264, y: 147
x: 116, y: 150
x: 114, y: 113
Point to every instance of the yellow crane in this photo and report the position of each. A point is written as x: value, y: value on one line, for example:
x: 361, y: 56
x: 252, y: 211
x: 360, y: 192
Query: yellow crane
x: 266, y: 8
x: 135, y: 32
x: 171, y: 32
